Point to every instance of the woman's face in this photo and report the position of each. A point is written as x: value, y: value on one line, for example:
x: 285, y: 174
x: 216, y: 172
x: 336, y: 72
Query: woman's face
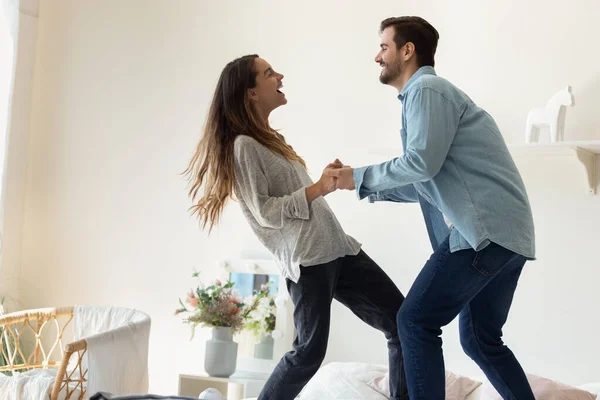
x: 267, y: 94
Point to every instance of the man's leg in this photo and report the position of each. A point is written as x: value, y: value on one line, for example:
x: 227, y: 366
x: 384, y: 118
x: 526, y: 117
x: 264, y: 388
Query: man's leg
x: 481, y: 323
x: 445, y: 285
x: 312, y: 297
x: 371, y: 295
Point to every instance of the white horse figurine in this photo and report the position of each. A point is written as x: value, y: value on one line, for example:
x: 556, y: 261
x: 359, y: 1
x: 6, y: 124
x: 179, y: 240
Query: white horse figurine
x: 552, y: 116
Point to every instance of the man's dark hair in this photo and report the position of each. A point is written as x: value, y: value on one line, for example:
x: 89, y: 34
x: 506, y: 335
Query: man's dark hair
x: 418, y: 31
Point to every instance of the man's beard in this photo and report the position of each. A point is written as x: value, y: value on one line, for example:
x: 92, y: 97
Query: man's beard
x: 390, y: 73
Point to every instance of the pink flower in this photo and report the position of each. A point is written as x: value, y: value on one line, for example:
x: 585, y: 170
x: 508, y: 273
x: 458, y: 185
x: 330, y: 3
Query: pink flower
x: 263, y: 288
x: 233, y: 308
x: 193, y: 301
x: 177, y: 312
x: 218, y: 282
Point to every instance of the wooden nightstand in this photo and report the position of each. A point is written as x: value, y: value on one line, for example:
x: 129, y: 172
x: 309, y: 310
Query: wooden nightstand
x: 237, y: 387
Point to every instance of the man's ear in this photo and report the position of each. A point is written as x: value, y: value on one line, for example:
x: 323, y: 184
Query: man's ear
x: 408, y: 51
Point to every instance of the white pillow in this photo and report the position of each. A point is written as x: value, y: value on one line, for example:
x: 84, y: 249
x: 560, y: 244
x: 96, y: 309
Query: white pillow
x: 458, y: 387
x: 343, y: 381
x: 543, y: 389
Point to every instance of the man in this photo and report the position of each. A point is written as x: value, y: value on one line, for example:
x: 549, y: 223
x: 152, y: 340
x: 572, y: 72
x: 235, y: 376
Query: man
x: 457, y: 166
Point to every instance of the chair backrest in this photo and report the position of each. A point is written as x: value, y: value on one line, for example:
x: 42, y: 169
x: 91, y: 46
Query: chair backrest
x: 33, y: 338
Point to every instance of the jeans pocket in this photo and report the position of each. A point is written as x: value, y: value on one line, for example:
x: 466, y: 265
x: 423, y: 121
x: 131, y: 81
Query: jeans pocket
x: 490, y: 260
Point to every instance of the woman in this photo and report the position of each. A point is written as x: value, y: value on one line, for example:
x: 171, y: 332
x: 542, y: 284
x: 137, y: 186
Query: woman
x: 241, y: 155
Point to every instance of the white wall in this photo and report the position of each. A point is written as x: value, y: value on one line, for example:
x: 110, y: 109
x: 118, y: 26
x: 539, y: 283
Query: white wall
x: 121, y: 90
x: 16, y: 154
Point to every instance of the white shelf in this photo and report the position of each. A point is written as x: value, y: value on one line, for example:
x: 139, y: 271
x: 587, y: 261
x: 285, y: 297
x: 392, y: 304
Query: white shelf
x: 586, y: 152
x: 557, y: 148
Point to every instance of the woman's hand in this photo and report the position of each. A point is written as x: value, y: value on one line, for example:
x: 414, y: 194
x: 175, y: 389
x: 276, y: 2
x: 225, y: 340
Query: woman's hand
x: 325, y: 185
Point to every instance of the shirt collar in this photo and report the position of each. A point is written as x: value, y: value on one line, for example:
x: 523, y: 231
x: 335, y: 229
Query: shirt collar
x: 425, y: 70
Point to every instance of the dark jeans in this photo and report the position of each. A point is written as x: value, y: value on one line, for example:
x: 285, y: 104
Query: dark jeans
x: 362, y: 286
x: 480, y: 287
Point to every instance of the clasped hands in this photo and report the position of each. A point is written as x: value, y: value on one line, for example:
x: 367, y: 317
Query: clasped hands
x: 337, y: 176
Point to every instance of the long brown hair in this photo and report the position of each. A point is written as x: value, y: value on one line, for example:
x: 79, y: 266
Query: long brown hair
x: 230, y: 115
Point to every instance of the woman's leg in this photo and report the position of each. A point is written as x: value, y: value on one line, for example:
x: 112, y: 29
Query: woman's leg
x: 312, y: 297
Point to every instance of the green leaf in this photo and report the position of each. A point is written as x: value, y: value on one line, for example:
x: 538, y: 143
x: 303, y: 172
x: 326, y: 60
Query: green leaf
x: 193, y: 331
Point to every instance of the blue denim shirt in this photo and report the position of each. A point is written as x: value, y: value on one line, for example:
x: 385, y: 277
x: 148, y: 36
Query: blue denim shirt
x: 455, y: 163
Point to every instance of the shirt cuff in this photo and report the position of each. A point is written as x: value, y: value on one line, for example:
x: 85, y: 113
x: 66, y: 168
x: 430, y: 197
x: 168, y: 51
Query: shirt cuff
x: 359, y: 174
x: 300, y: 202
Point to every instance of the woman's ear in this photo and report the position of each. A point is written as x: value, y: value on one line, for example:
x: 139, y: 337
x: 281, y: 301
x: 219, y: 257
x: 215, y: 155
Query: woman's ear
x: 252, y: 95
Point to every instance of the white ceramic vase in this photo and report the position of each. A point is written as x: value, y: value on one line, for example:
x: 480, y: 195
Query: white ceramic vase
x: 220, y: 359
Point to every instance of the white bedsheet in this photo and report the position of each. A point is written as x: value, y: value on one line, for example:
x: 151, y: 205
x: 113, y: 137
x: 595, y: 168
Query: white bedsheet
x: 35, y: 384
x: 356, y: 381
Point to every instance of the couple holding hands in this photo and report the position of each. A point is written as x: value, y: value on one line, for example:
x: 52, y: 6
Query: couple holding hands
x: 456, y: 165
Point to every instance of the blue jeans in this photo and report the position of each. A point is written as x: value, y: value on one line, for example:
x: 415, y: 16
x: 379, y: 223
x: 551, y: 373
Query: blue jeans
x: 361, y: 285
x: 477, y: 286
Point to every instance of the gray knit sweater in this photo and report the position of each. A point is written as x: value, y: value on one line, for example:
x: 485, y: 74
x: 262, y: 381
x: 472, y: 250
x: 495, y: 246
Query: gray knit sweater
x: 272, y: 193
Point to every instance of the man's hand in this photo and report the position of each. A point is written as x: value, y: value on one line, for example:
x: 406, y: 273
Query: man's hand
x: 329, y: 181
x: 344, y: 175
x: 336, y: 164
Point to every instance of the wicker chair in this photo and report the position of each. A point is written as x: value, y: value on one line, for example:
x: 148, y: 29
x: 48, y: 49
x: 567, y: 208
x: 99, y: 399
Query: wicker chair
x: 34, y: 339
